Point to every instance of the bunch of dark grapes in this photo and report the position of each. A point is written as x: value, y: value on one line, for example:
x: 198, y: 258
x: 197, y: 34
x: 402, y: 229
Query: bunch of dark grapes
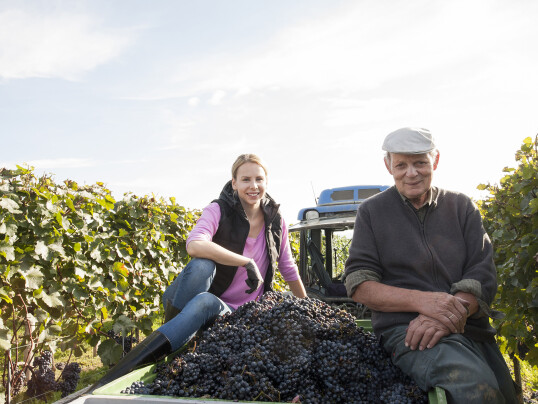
x: 18, y: 381
x: 281, y: 347
x: 43, y: 379
x: 70, y: 377
x: 125, y: 342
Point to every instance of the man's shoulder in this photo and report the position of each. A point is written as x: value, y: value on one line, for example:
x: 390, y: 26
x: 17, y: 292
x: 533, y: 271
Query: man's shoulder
x: 449, y: 195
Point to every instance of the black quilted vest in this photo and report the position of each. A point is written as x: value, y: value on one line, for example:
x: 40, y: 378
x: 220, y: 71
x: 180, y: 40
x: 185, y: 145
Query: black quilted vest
x: 233, y: 232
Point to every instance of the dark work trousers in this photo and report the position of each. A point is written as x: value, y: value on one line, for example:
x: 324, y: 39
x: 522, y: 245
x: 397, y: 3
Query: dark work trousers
x: 469, y: 371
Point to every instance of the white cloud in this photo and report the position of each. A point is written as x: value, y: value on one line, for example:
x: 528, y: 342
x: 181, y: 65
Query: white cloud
x: 344, y: 112
x: 369, y: 43
x: 194, y: 101
x: 57, y: 44
x: 217, y: 97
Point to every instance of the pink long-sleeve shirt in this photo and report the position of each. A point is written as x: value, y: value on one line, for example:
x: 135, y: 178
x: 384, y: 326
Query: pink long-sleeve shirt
x: 255, y: 248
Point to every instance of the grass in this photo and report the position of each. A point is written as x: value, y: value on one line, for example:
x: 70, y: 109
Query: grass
x: 92, y: 371
x: 529, y: 379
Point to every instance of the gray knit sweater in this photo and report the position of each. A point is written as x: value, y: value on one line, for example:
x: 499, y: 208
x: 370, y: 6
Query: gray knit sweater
x: 449, y: 252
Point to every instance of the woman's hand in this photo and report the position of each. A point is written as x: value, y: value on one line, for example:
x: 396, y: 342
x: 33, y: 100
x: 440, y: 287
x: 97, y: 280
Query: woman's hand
x: 254, y: 277
x: 424, y: 332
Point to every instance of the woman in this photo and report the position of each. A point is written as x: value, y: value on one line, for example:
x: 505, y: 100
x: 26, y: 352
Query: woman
x: 236, y: 245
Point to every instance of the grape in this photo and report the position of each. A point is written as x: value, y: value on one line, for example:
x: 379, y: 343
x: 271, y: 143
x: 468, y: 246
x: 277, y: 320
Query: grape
x: 18, y: 381
x: 70, y: 377
x: 280, y: 349
x: 125, y: 342
x: 42, y: 380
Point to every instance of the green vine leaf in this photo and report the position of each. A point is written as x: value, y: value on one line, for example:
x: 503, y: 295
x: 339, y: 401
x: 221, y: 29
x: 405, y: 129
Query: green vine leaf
x: 109, y: 352
x: 10, y: 205
x: 7, y: 251
x: 42, y: 250
x: 34, y: 278
x: 52, y: 300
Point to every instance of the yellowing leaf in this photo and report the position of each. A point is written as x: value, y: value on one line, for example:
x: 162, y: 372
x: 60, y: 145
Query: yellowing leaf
x: 120, y: 268
x: 5, y: 297
x: 70, y: 204
x: 124, y: 285
x: 79, y: 272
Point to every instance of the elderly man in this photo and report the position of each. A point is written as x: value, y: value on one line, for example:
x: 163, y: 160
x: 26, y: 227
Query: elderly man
x: 421, y: 260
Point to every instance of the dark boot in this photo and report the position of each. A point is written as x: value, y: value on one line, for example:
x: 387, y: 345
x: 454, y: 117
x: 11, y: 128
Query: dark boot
x: 170, y: 312
x: 151, y: 350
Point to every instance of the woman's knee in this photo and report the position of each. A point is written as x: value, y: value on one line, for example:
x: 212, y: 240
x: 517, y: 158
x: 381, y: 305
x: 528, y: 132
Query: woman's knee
x: 201, y: 266
x: 196, y: 277
x: 208, y: 303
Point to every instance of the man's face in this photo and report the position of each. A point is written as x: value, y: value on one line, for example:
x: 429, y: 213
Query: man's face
x: 412, y: 174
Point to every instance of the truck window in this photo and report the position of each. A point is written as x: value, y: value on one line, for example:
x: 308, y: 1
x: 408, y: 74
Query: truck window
x: 344, y: 195
x: 366, y: 193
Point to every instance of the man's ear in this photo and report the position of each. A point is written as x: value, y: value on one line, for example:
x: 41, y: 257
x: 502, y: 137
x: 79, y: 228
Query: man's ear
x: 436, y: 162
x: 387, y: 164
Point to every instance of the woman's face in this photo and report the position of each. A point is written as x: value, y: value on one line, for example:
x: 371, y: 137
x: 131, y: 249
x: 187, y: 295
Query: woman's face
x: 250, y: 183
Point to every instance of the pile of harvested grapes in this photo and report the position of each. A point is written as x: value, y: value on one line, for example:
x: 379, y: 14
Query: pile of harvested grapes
x: 284, y: 349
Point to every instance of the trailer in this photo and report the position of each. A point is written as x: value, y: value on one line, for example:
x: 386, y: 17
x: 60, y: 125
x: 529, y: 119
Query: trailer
x: 112, y: 392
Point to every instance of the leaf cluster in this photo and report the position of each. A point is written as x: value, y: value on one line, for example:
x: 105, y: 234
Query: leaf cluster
x: 510, y: 216
x: 74, y: 261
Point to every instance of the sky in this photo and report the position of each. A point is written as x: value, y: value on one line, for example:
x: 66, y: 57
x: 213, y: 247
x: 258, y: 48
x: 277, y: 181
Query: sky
x: 160, y: 97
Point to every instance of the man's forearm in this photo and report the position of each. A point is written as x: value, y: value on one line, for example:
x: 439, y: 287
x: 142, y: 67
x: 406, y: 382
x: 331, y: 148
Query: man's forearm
x: 449, y: 310
x: 380, y: 297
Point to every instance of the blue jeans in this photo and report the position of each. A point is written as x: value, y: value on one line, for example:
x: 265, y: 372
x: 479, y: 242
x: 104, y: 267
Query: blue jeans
x: 189, y: 294
x: 470, y: 372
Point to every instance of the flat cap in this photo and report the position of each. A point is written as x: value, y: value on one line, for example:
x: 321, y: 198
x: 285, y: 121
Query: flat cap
x: 409, y: 141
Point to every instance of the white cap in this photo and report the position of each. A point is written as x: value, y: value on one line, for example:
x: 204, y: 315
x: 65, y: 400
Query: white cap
x: 409, y: 141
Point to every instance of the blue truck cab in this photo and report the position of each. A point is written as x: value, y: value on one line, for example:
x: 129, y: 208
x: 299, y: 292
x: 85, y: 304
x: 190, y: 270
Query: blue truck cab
x: 340, y: 201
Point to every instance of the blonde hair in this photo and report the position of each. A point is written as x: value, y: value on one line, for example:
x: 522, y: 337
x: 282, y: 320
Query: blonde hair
x: 247, y: 158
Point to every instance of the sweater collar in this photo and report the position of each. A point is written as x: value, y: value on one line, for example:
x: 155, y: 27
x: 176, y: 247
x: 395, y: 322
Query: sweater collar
x: 433, y: 193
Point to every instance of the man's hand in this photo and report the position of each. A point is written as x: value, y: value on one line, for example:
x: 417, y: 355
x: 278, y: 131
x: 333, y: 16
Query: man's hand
x: 424, y: 332
x: 254, y: 278
x: 447, y: 309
